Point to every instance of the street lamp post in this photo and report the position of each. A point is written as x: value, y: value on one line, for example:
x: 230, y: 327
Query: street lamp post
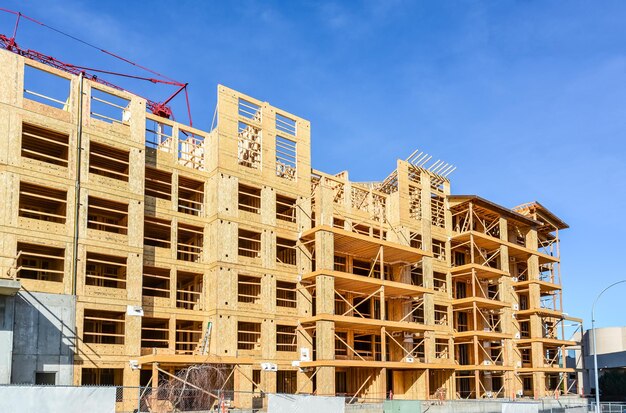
x: 595, y: 353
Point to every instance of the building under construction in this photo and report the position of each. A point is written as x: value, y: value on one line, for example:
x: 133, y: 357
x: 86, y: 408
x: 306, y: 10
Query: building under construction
x: 132, y: 246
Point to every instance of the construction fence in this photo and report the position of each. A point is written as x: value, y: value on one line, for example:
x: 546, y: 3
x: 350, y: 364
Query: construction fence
x: 117, y: 399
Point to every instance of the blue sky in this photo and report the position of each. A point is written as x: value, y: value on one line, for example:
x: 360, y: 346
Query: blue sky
x: 526, y: 98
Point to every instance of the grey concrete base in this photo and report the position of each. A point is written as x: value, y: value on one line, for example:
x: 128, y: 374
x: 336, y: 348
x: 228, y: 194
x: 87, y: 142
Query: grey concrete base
x: 37, y: 335
x: 9, y: 287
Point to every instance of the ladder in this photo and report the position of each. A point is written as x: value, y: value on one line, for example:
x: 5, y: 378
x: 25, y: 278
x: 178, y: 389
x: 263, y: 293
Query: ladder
x: 206, y: 340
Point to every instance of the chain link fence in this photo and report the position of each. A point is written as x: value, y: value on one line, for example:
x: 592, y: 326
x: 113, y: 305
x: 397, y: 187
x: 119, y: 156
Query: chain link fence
x: 149, y: 400
x: 191, y: 399
x: 609, y: 407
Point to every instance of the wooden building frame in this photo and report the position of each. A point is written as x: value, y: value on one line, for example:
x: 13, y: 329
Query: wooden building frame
x: 186, y: 239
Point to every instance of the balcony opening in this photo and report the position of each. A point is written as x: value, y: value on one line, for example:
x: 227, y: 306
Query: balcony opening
x: 249, y: 110
x: 461, y: 321
x: 363, y: 309
x: 523, y: 302
x: 190, y: 241
x: 460, y: 289
x: 188, y: 290
x: 286, y: 125
x: 286, y: 251
x: 386, y: 268
x: 286, y: 338
x: 495, y: 352
x: 463, y: 354
x: 249, y: 199
x: 341, y: 349
x: 517, y: 236
x: 249, y: 289
x: 417, y: 342
x: 548, y: 273
x: 341, y: 382
x: 439, y: 250
x: 105, y: 271
x: 416, y: 240
x: 493, y: 322
x: 154, y: 332
x: 191, y: 150
x: 441, y: 348
x: 417, y: 274
x: 45, y: 145
x: 417, y: 311
x: 46, y: 88
x: 441, y: 315
x: 109, y: 108
x: 522, y: 271
x: 286, y: 381
x: 440, y: 282
x: 361, y: 268
x: 108, y: 161
x: 459, y: 258
x: 39, y: 262
x: 190, y: 196
x: 376, y: 233
x: 364, y: 345
x: 550, y: 329
x: 249, y: 145
x: 359, y: 199
x: 415, y: 202
x: 286, y: 158
x: 414, y: 175
x: 105, y: 215
x: 188, y: 336
x: 340, y: 304
x: 42, y: 203
x: 361, y: 229
x: 437, y: 210
x: 103, y: 327
x: 286, y: 294
x: 524, y: 328
x: 248, y: 336
x: 249, y: 244
x: 156, y: 282
x: 158, y: 183
x: 285, y: 208
x: 256, y: 378
x: 158, y: 135
x: 436, y: 184
x: 340, y: 263
x: 157, y: 232
x: 493, y: 292
x: 102, y: 377
x: 339, y: 223
x: 528, y: 384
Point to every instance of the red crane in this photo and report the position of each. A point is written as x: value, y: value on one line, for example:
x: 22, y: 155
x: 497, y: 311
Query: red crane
x: 158, y: 108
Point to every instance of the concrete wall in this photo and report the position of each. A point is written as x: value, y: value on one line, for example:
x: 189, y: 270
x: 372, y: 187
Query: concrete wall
x: 44, y: 328
x: 6, y: 337
x: 610, y: 340
x: 287, y: 403
x: 611, y: 352
x: 563, y: 405
x: 48, y: 399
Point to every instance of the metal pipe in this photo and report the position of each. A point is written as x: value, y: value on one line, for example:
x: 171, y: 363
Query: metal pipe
x: 595, y: 353
x: 79, y: 151
x: 435, y: 164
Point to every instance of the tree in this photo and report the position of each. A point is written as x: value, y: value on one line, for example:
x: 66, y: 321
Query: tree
x: 613, y: 384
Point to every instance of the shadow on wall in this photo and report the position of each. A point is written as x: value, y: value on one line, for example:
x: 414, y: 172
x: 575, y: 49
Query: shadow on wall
x: 44, y: 328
